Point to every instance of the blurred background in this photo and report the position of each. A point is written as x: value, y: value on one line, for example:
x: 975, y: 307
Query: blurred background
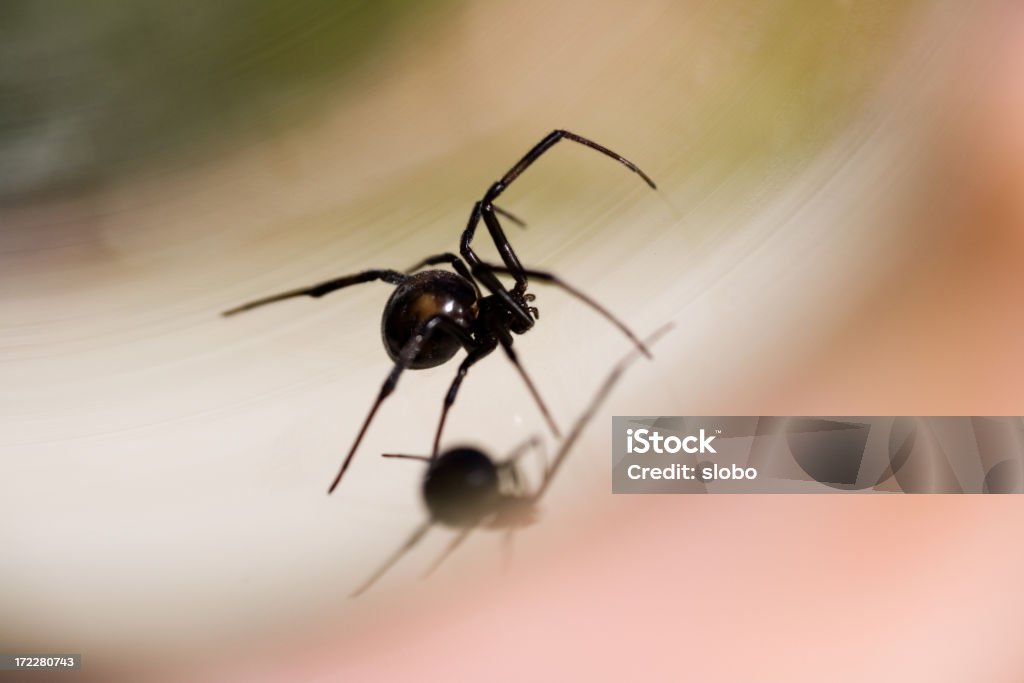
x: 838, y: 230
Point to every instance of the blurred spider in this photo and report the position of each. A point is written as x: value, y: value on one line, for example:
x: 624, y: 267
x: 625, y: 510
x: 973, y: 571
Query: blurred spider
x: 465, y: 489
x: 434, y: 313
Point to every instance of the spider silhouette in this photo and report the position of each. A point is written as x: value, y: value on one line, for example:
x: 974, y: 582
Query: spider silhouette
x: 465, y: 489
x: 434, y: 313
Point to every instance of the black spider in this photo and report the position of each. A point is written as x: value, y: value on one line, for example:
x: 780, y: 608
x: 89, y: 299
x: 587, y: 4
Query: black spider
x: 434, y: 313
x: 465, y: 489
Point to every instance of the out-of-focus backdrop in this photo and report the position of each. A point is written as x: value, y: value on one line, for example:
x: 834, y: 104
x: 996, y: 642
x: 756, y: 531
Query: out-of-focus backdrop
x: 837, y: 231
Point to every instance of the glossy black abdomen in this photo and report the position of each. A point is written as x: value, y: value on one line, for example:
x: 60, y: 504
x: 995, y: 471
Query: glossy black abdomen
x: 423, y: 296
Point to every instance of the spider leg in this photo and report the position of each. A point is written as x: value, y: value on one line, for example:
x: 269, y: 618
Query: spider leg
x: 509, y: 215
x: 534, y: 443
x: 409, y: 352
x: 437, y: 259
x: 406, y: 547
x: 486, y: 209
x: 595, y: 403
x: 405, y: 456
x: 456, y: 542
x: 552, y: 279
x: 451, y: 259
x: 508, y: 255
x: 390, y: 276
x: 473, y: 356
x: 486, y: 275
x: 547, y: 143
x: 506, y: 343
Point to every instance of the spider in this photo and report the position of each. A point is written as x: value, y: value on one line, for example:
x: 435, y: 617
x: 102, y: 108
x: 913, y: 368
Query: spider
x: 464, y: 488
x: 433, y: 313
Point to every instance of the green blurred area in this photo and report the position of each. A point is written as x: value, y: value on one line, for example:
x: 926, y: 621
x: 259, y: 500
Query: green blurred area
x: 89, y: 90
x: 788, y: 78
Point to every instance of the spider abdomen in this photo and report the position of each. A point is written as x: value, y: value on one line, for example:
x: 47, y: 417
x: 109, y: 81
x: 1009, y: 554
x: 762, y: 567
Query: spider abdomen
x: 423, y: 296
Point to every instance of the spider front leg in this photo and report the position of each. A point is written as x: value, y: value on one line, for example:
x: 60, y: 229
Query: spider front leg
x: 409, y: 352
x: 547, y: 143
x: 485, y: 275
x: 508, y: 255
x: 487, y: 209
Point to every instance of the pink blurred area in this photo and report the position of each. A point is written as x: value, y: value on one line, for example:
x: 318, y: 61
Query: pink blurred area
x: 941, y: 334
x: 731, y: 589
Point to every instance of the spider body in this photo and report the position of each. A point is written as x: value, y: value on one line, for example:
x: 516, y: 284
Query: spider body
x: 434, y: 313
